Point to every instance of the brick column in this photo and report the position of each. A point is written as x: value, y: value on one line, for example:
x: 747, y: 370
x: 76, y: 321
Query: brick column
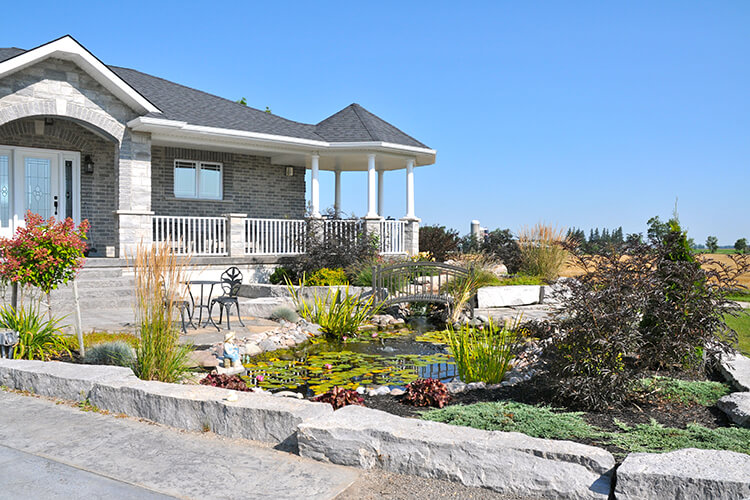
x: 133, y: 214
x: 411, y: 235
x: 235, y: 234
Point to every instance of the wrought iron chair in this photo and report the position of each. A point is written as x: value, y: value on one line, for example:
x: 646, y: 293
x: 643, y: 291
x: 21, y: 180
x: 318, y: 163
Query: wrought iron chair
x: 183, y: 305
x: 231, y: 279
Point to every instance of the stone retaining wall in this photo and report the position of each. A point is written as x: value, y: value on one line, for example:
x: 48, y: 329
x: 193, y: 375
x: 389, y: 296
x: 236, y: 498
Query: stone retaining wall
x: 506, y: 462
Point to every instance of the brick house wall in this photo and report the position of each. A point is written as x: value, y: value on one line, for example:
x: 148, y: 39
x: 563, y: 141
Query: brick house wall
x: 251, y: 185
x: 98, y: 195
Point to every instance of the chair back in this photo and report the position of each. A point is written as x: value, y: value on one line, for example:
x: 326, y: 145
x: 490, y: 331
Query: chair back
x: 231, y: 279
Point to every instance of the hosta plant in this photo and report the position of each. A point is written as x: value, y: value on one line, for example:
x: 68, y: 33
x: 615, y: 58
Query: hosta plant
x: 426, y: 392
x: 233, y: 382
x: 338, y: 397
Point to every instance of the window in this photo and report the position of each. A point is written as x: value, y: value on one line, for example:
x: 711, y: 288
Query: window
x: 194, y: 179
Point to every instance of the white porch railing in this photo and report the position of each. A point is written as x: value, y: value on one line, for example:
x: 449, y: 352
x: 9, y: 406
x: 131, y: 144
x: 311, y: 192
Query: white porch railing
x: 192, y: 235
x: 275, y: 236
x: 343, y: 229
x: 392, y: 237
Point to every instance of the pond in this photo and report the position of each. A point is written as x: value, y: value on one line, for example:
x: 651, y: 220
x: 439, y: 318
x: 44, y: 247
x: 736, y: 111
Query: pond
x: 391, y: 358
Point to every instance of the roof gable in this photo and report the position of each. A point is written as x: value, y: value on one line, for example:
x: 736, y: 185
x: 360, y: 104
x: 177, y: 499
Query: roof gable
x: 68, y: 48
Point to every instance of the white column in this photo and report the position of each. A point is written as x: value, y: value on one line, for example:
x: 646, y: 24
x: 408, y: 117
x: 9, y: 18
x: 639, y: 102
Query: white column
x: 337, y: 199
x: 380, y: 192
x: 315, y: 186
x: 410, y: 190
x: 371, y: 213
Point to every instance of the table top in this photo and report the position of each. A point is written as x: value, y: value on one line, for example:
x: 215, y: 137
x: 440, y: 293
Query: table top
x: 202, y: 282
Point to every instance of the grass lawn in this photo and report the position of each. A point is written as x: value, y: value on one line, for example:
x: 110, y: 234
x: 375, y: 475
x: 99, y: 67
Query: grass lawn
x: 741, y: 325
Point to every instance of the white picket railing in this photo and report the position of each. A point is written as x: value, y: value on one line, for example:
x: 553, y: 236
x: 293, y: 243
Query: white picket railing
x: 275, y: 236
x: 192, y: 235
x: 392, y: 237
x: 343, y: 229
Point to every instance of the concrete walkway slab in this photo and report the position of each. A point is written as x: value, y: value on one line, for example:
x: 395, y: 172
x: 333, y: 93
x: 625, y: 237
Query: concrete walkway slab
x: 156, y: 458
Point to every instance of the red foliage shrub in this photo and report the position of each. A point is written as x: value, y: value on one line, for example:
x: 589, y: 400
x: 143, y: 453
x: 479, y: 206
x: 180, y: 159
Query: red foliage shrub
x: 233, y: 382
x: 426, y: 392
x: 339, y: 397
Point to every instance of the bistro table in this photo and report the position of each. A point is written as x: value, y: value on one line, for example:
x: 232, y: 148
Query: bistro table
x: 204, y: 304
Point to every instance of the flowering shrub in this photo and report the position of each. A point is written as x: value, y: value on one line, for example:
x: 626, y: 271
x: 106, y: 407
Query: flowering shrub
x: 44, y: 253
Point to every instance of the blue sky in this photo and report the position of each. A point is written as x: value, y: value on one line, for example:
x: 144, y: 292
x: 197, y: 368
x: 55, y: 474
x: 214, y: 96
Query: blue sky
x: 574, y: 113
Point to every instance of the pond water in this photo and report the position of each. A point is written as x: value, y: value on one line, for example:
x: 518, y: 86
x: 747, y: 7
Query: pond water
x: 373, y: 358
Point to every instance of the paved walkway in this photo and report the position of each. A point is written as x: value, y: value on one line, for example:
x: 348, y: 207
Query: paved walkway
x: 50, y: 450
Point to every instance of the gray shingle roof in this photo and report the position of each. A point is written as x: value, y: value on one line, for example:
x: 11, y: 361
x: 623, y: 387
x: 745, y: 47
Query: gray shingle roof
x: 177, y: 102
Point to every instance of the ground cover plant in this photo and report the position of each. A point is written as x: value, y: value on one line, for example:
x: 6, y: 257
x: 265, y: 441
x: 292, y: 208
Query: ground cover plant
x: 117, y: 353
x: 702, y: 392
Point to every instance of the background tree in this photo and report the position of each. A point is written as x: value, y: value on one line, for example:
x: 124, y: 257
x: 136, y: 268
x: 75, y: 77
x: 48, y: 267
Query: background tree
x: 712, y: 243
x: 439, y: 241
x: 741, y: 245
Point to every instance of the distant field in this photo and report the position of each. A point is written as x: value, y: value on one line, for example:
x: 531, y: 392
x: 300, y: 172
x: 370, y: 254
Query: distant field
x: 571, y: 271
x: 724, y: 251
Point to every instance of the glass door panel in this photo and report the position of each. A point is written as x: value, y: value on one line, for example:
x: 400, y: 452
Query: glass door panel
x: 38, y: 185
x: 5, y: 201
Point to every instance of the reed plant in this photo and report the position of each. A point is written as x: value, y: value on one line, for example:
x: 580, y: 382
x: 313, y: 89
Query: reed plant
x: 484, y: 354
x: 159, y: 276
x: 338, y: 313
x: 543, y: 251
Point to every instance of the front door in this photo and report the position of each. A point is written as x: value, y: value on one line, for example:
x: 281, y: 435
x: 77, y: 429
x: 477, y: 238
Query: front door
x: 35, y: 180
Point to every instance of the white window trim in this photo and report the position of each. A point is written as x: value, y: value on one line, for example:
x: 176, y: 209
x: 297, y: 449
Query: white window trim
x: 198, y: 166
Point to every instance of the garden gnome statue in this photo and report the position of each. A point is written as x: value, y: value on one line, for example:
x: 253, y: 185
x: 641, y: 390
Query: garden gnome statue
x: 231, y: 351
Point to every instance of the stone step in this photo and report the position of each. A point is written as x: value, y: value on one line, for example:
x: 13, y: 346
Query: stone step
x: 99, y: 273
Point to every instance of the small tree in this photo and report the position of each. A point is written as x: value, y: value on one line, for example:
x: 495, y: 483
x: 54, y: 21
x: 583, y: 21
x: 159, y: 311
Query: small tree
x: 44, y: 253
x: 439, y: 241
x: 712, y: 243
x: 741, y: 245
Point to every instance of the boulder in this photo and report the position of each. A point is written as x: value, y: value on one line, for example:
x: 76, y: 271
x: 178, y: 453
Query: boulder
x: 203, y: 359
x: 506, y: 462
x: 736, y: 370
x: 737, y: 408
x: 259, y: 417
x: 264, y: 307
x: 505, y: 296
x: 687, y: 473
x: 58, y: 380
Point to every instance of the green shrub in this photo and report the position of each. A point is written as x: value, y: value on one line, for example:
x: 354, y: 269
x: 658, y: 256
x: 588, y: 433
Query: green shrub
x: 360, y: 272
x: 483, y: 355
x: 327, y: 277
x: 280, y: 276
x: 536, y: 421
x: 38, y: 338
x: 117, y: 353
x: 285, y: 313
x: 338, y: 313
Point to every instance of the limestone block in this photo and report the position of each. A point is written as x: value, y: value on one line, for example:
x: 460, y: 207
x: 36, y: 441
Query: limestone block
x: 506, y: 462
x: 505, y: 296
x: 197, y: 407
x: 737, y: 408
x: 59, y: 380
x: 688, y: 473
x: 736, y: 370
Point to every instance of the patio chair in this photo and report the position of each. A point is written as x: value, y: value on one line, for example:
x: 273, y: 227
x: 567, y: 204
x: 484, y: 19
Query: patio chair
x: 185, y: 307
x: 231, y: 279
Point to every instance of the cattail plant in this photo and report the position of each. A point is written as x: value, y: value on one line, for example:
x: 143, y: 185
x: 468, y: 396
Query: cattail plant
x: 159, y: 275
x: 543, y: 251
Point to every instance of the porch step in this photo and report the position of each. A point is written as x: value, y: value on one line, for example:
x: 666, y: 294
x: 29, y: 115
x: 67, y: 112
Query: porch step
x: 86, y: 274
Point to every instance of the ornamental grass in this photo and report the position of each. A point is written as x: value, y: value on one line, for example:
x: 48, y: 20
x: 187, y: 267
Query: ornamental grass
x: 543, y: 251
x: 159, y: 275
x: 484, y: 354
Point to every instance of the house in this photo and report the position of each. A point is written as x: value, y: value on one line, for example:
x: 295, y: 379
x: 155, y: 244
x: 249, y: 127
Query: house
x: 146, y: 159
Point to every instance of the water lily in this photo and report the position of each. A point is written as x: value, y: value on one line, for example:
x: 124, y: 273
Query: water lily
x: 259, y: 378
x: 374, y: 334
x: 344, y: 338
x: 328, y: 366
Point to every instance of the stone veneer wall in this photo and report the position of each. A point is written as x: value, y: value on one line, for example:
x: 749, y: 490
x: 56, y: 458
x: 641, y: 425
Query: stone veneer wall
x: 98, y: 194
x: 252, y: 185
